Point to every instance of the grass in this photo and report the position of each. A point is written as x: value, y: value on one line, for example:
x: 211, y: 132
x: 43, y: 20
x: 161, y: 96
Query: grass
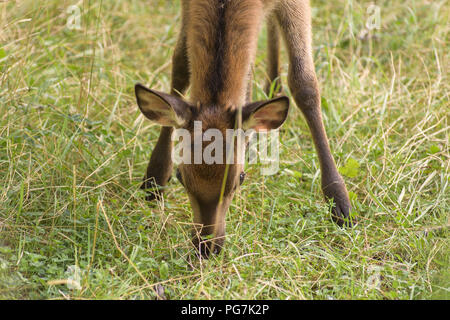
x: 74, y: 148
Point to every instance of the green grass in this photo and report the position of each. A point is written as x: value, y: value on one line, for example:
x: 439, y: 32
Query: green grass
x: 74, y: 148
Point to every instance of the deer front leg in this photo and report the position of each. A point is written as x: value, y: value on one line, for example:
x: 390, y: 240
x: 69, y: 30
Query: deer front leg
x: 159, y: 169
x: 273, y: 56
x: 160, y: 166
x: 294, y: 20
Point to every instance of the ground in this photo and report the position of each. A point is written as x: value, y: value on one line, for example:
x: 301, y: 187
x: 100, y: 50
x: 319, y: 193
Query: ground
x: 74, y: 148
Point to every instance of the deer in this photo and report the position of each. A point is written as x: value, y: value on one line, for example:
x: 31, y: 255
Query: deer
x: 214, y: 56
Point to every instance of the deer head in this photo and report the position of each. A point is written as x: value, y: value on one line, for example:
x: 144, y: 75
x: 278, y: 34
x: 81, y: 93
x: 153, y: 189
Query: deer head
x: 210, y: 186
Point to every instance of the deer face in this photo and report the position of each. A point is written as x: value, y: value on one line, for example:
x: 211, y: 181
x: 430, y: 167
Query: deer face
x: 210, y: 185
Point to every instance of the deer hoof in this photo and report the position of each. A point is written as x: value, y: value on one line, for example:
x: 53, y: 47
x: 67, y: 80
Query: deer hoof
x: 204, y: 248
x: 336, y: 192
x: 153, y: 190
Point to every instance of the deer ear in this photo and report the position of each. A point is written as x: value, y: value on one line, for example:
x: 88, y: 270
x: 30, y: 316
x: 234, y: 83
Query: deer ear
x: 162, y: 108
x: 265, y: 115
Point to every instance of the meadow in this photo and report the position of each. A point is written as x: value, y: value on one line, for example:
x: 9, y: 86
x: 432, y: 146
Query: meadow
x: 74, y: 148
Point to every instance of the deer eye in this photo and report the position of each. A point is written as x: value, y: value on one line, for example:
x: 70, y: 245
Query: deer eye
x: 178, y: 174
x: 241, y: 177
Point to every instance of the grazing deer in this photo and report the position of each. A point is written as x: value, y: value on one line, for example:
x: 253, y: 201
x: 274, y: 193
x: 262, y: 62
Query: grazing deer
x: 214, y: 55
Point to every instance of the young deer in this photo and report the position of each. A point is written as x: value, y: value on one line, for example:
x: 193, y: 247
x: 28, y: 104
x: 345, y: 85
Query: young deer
x: 214, y: 54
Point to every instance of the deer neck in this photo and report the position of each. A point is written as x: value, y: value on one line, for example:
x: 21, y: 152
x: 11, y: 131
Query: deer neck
x: 222, y: 40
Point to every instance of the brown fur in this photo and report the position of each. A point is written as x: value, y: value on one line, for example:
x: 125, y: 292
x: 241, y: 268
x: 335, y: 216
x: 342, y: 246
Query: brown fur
x: 218, y: 42
x: 222, y: 37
